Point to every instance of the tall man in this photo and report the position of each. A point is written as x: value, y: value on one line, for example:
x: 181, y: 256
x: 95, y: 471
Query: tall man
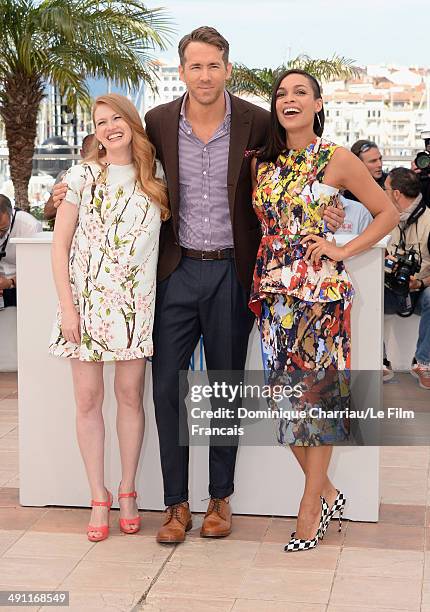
x: 207, y: 255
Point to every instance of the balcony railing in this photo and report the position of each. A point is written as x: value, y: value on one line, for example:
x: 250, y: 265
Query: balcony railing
x: 46, y: 167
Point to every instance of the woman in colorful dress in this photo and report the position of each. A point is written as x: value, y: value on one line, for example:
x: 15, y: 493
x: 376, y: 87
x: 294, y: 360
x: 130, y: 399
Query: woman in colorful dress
x: 104, y: 261
x: 301, y: 291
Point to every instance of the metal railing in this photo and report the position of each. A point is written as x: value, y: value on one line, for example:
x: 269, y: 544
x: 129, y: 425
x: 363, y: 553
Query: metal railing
x: 44, y: 174
x: 46, y: 167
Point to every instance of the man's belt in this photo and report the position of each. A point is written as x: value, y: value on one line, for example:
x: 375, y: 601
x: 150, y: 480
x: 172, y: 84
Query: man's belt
x: 209, y: 255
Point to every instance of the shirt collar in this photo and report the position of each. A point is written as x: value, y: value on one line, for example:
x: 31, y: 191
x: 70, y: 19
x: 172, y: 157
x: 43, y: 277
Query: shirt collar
x: 405, y: 214
x: 227, y: 106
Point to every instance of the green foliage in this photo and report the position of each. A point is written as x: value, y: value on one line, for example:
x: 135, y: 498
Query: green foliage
x: 259, y: 81
x: 37, y: 212
x: 67, y: 41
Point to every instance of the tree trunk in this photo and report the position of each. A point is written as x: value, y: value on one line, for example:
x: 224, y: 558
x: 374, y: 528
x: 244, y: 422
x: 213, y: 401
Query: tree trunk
x: 19, y: 105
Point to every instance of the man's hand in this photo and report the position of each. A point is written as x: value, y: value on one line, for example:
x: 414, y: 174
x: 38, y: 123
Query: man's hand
x: 5, y: 283
x: 334, y: 217
x: 59, y: 193
x: 414, y: 284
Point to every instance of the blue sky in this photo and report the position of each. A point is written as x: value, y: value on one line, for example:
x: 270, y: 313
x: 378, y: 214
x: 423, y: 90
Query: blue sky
x: 268, y: 32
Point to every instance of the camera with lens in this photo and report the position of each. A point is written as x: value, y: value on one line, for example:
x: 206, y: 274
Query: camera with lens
x: 407, y: 262
x: 422, y: 162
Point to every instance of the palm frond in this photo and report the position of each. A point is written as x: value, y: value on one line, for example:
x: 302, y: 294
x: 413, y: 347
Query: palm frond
x: 336, y: 67
x: 64, y: 42
x: 254, y: 81
x: 260, y: 81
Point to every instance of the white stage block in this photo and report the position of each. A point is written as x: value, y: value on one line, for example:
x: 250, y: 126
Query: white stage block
x: 268, y: 480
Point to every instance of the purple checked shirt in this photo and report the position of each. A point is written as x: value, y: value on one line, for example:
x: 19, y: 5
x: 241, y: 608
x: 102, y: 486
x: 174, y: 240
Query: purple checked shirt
x: 204, y: 215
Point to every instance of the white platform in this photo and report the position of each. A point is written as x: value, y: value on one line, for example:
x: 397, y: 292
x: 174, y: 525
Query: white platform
x: 268, y: 481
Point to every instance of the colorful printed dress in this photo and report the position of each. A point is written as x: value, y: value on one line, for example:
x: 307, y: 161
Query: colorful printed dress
x: 303, y: 310
x: 112, y: 266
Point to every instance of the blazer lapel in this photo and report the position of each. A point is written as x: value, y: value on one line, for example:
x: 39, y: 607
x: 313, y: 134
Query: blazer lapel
x: 170, y: 143
x: 239, y: 137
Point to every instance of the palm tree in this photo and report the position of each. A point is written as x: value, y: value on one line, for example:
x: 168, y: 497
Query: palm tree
x: 259, y: 81
x: 63, y: 42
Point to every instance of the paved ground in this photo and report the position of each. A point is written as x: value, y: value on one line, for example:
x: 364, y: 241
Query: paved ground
x: 368, y: 567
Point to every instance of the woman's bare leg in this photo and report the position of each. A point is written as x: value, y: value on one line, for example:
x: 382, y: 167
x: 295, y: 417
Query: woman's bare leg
x: 316, y: 463
x: 329, y: 491
x: 89, y: 393
x: 130, y: 423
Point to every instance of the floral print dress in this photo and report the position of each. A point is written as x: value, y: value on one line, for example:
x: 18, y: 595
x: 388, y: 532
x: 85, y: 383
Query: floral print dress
x: 303, y: 309
x: 112, y: 266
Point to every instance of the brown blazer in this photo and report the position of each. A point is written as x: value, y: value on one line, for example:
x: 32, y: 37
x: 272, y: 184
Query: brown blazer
x: 249, y: 129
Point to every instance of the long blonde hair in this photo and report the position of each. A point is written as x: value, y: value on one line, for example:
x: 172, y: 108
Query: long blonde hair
x: 143, y: 152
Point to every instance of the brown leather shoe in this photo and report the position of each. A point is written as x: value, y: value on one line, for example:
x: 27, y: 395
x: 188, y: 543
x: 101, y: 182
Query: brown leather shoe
x: 178, y: 521
x: 217, y: 521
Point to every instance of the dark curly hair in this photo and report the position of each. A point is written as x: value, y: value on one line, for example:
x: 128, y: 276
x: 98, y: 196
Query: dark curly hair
x: 276, y: 140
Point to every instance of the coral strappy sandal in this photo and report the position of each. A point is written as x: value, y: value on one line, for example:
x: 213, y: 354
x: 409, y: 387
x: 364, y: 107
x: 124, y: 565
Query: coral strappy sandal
x: 129, y: 525
x: 102, y: 530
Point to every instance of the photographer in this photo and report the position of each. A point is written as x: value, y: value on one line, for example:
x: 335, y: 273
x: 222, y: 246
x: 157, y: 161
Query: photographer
x: 407, y: 277
x: 14, y: 223
x: 421, y: 166
x: 370, y: 155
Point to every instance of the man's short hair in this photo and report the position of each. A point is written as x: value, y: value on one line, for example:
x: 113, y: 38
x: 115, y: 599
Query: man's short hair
x: 207, y: 35
x: 5, y: 205
x: 362, y: 146
x: 87, y: 140
x: 406, y: 181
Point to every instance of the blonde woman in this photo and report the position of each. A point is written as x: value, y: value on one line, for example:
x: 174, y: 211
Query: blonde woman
x: 104, y: 259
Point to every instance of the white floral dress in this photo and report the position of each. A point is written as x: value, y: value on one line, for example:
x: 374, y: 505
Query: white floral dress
x: 112, y: 266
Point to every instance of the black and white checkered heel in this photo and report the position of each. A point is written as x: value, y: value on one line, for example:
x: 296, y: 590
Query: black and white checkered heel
x: 296, y: 544
x: 338, y: 506
x: 325, y: 514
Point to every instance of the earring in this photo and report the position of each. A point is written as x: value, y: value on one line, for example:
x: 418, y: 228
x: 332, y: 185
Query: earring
x: 100, y: 146
x: 319, y: 120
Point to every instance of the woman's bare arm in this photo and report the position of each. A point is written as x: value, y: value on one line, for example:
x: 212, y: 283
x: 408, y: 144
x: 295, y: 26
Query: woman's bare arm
x: 65, y: 226
x: 346, y: 171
